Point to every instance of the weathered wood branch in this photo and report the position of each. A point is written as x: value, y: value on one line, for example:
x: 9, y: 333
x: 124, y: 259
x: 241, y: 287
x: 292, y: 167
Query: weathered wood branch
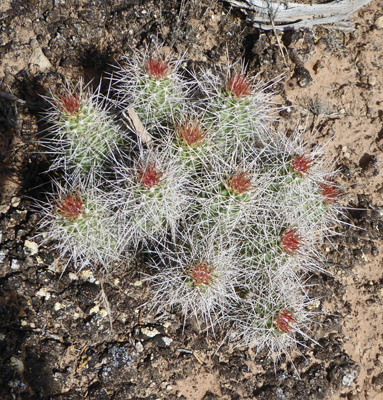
x: 268, y: 14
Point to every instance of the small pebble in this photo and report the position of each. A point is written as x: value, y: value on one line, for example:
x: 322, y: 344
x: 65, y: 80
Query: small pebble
x: 15, y: 265
x: 379, y: 22
x: 372, y: 80
x: 15, y: 201
x: 167, y: 340
x: 17, y: 365
x: 72, y: 276
x: 94, y: 310
x: 34, y: 43
x: 139, y: 347
x: 2, y: 256
x: 150, y: 332
x: 43, y: 293
x: 31, y: 247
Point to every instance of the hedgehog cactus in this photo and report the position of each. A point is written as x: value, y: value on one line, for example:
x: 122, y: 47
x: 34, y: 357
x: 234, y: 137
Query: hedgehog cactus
x: 151, y: 197
x: 83, y: 133
x: 237, y: 108
x: 79, y: 222
x: 153, y: 86
x: 230, y: 210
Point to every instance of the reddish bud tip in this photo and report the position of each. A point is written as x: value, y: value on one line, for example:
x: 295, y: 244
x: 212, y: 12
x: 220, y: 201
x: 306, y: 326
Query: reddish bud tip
x: 70, y: 207
x: 191, y: 133
x: 149, y: 177
x: 70, y: 103
x: 240, y: 182
x: 157, y: 68
x: 301, y: 165
x: 239, y: 86
x: 290, y: 242
x: 283, y: 321
x: 201, y: 274
x: 329, y: 192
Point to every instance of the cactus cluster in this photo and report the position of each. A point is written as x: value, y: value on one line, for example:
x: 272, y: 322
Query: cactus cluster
x: 230, y: 212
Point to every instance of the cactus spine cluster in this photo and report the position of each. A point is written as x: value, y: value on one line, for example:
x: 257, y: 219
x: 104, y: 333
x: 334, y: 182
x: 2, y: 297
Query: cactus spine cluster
x: 230, y: 212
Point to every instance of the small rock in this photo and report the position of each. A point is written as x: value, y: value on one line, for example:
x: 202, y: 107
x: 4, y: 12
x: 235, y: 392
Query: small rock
x: 39, y: 260
x: 349, y: 378
x: 303, y: 76
x: 94, y: 310
x: 17, y: 365
x: 378, y: 380
x: 31, y: 247
x: 167, y: 340
x: 43, y: 293
x: 15, y: 201
x: 4, y: 208
x: 379, y: 22
x: 34, y: 43
x: 72, y: 276
x: 139, y: 347
x: 88, y: 275
x: 103, y: 313
x: 367, y: 161
x: 38, y: 58
x: 372, y: 80
x: 15, y: 265
x: 150, y: 332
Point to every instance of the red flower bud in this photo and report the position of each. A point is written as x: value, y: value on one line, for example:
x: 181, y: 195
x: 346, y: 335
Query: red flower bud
x: 301, y: 165
x: 70, y: 207
x: 290, y: 242
x: 201, y: 274
x: 239, y: 86
x: 329, y: 192
x: 283, y: 321
x: 157, y: 68
x: 149, y: 177
x: 70, y: 103
x: 240, y: 182
x: 191, y: 133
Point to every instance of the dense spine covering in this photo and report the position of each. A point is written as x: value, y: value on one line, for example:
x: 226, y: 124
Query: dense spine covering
x: 152, y: 84
x: 151, y: 197
x: 83, y: 134
x: 76, y: 218
x: 230, y: 211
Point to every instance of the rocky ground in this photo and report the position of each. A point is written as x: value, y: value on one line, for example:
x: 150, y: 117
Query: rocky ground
x: 83, y: 335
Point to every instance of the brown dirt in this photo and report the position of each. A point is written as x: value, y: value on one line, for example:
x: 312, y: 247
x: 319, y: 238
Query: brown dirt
x: 55, y: 335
